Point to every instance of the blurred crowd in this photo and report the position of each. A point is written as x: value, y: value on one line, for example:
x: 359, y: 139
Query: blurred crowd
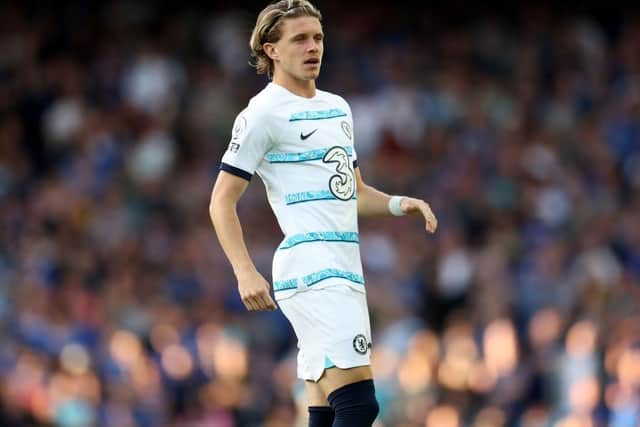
x: 522, y: 130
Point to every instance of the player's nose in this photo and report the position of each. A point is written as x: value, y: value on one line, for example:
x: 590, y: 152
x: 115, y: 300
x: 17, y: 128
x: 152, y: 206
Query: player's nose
x: 313, y: 46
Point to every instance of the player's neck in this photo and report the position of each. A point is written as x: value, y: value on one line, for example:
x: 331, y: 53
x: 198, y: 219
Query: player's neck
x: 303, y: 88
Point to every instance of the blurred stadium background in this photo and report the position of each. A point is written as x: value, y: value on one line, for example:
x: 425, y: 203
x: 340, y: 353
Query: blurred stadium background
x: 520, y: 125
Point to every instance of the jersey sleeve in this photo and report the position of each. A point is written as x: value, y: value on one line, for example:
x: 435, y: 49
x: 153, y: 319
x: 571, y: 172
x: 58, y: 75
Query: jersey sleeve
x: 250, y: 141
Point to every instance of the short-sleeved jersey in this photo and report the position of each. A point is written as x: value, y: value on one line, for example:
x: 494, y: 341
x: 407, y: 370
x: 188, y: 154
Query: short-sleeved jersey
x: 302, y: 149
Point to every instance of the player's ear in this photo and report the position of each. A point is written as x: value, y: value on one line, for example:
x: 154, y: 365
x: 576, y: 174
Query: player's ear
x: 271, y: 50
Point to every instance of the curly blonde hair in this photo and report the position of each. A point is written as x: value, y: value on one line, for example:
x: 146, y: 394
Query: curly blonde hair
x: 268, y: 29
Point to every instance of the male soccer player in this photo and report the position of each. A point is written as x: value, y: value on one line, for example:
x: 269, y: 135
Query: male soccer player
x: 299, y: 140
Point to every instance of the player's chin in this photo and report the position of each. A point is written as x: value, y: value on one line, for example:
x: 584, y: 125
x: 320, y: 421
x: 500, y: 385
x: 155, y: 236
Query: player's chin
x: 311, y: 73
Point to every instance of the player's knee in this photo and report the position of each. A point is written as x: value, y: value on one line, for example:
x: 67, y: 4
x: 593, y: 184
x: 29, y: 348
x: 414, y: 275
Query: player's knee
x: 355, y: 405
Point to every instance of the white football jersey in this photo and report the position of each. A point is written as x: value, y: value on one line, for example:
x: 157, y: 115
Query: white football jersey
x: 302, y: 149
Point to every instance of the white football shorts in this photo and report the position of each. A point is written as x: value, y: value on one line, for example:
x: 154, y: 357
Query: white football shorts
x: 332, y: 327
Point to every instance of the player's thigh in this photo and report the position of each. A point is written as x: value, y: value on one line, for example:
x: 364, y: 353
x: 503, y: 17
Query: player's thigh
x: 335, y: 378
x: 315, y: 395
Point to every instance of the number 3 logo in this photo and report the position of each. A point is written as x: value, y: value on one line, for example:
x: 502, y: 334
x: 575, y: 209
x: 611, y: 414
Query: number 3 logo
x: 342, y: 184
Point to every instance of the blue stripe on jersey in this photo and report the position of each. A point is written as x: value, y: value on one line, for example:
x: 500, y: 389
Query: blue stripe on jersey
x: 320, y: 236
x: 328, y: 273
x: 317, y: 115
x: 313, y: 278
x: 283, y: 285
x: 305, y: 156
x: 310, y: 196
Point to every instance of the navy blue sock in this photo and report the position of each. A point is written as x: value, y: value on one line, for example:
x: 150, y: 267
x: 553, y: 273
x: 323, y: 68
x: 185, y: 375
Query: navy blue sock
x: 355, y: 405
x: 320, y: 416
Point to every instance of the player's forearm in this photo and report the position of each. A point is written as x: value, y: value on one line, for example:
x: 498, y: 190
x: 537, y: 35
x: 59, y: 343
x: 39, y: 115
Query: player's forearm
x: 372, y: 202
x: 229, y: 231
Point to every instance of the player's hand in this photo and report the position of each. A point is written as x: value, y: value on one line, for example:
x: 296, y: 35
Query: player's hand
x: 411, y: 206
x: 254, y: 291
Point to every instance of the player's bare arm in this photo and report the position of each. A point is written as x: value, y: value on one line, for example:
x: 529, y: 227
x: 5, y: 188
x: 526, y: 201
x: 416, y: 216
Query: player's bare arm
x: 252, y: 286
x: 372, y: 202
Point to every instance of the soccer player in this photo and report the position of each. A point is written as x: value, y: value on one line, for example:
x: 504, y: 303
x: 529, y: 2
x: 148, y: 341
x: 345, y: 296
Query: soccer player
x: 300, y: 141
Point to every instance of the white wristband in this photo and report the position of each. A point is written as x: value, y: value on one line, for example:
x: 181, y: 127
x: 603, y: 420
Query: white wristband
x: 394, y: 206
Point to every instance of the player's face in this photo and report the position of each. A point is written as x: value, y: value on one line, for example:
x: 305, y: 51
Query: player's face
x: 298, y: 53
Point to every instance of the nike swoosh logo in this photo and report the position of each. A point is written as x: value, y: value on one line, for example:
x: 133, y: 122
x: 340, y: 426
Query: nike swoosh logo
x: 303, y: 136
